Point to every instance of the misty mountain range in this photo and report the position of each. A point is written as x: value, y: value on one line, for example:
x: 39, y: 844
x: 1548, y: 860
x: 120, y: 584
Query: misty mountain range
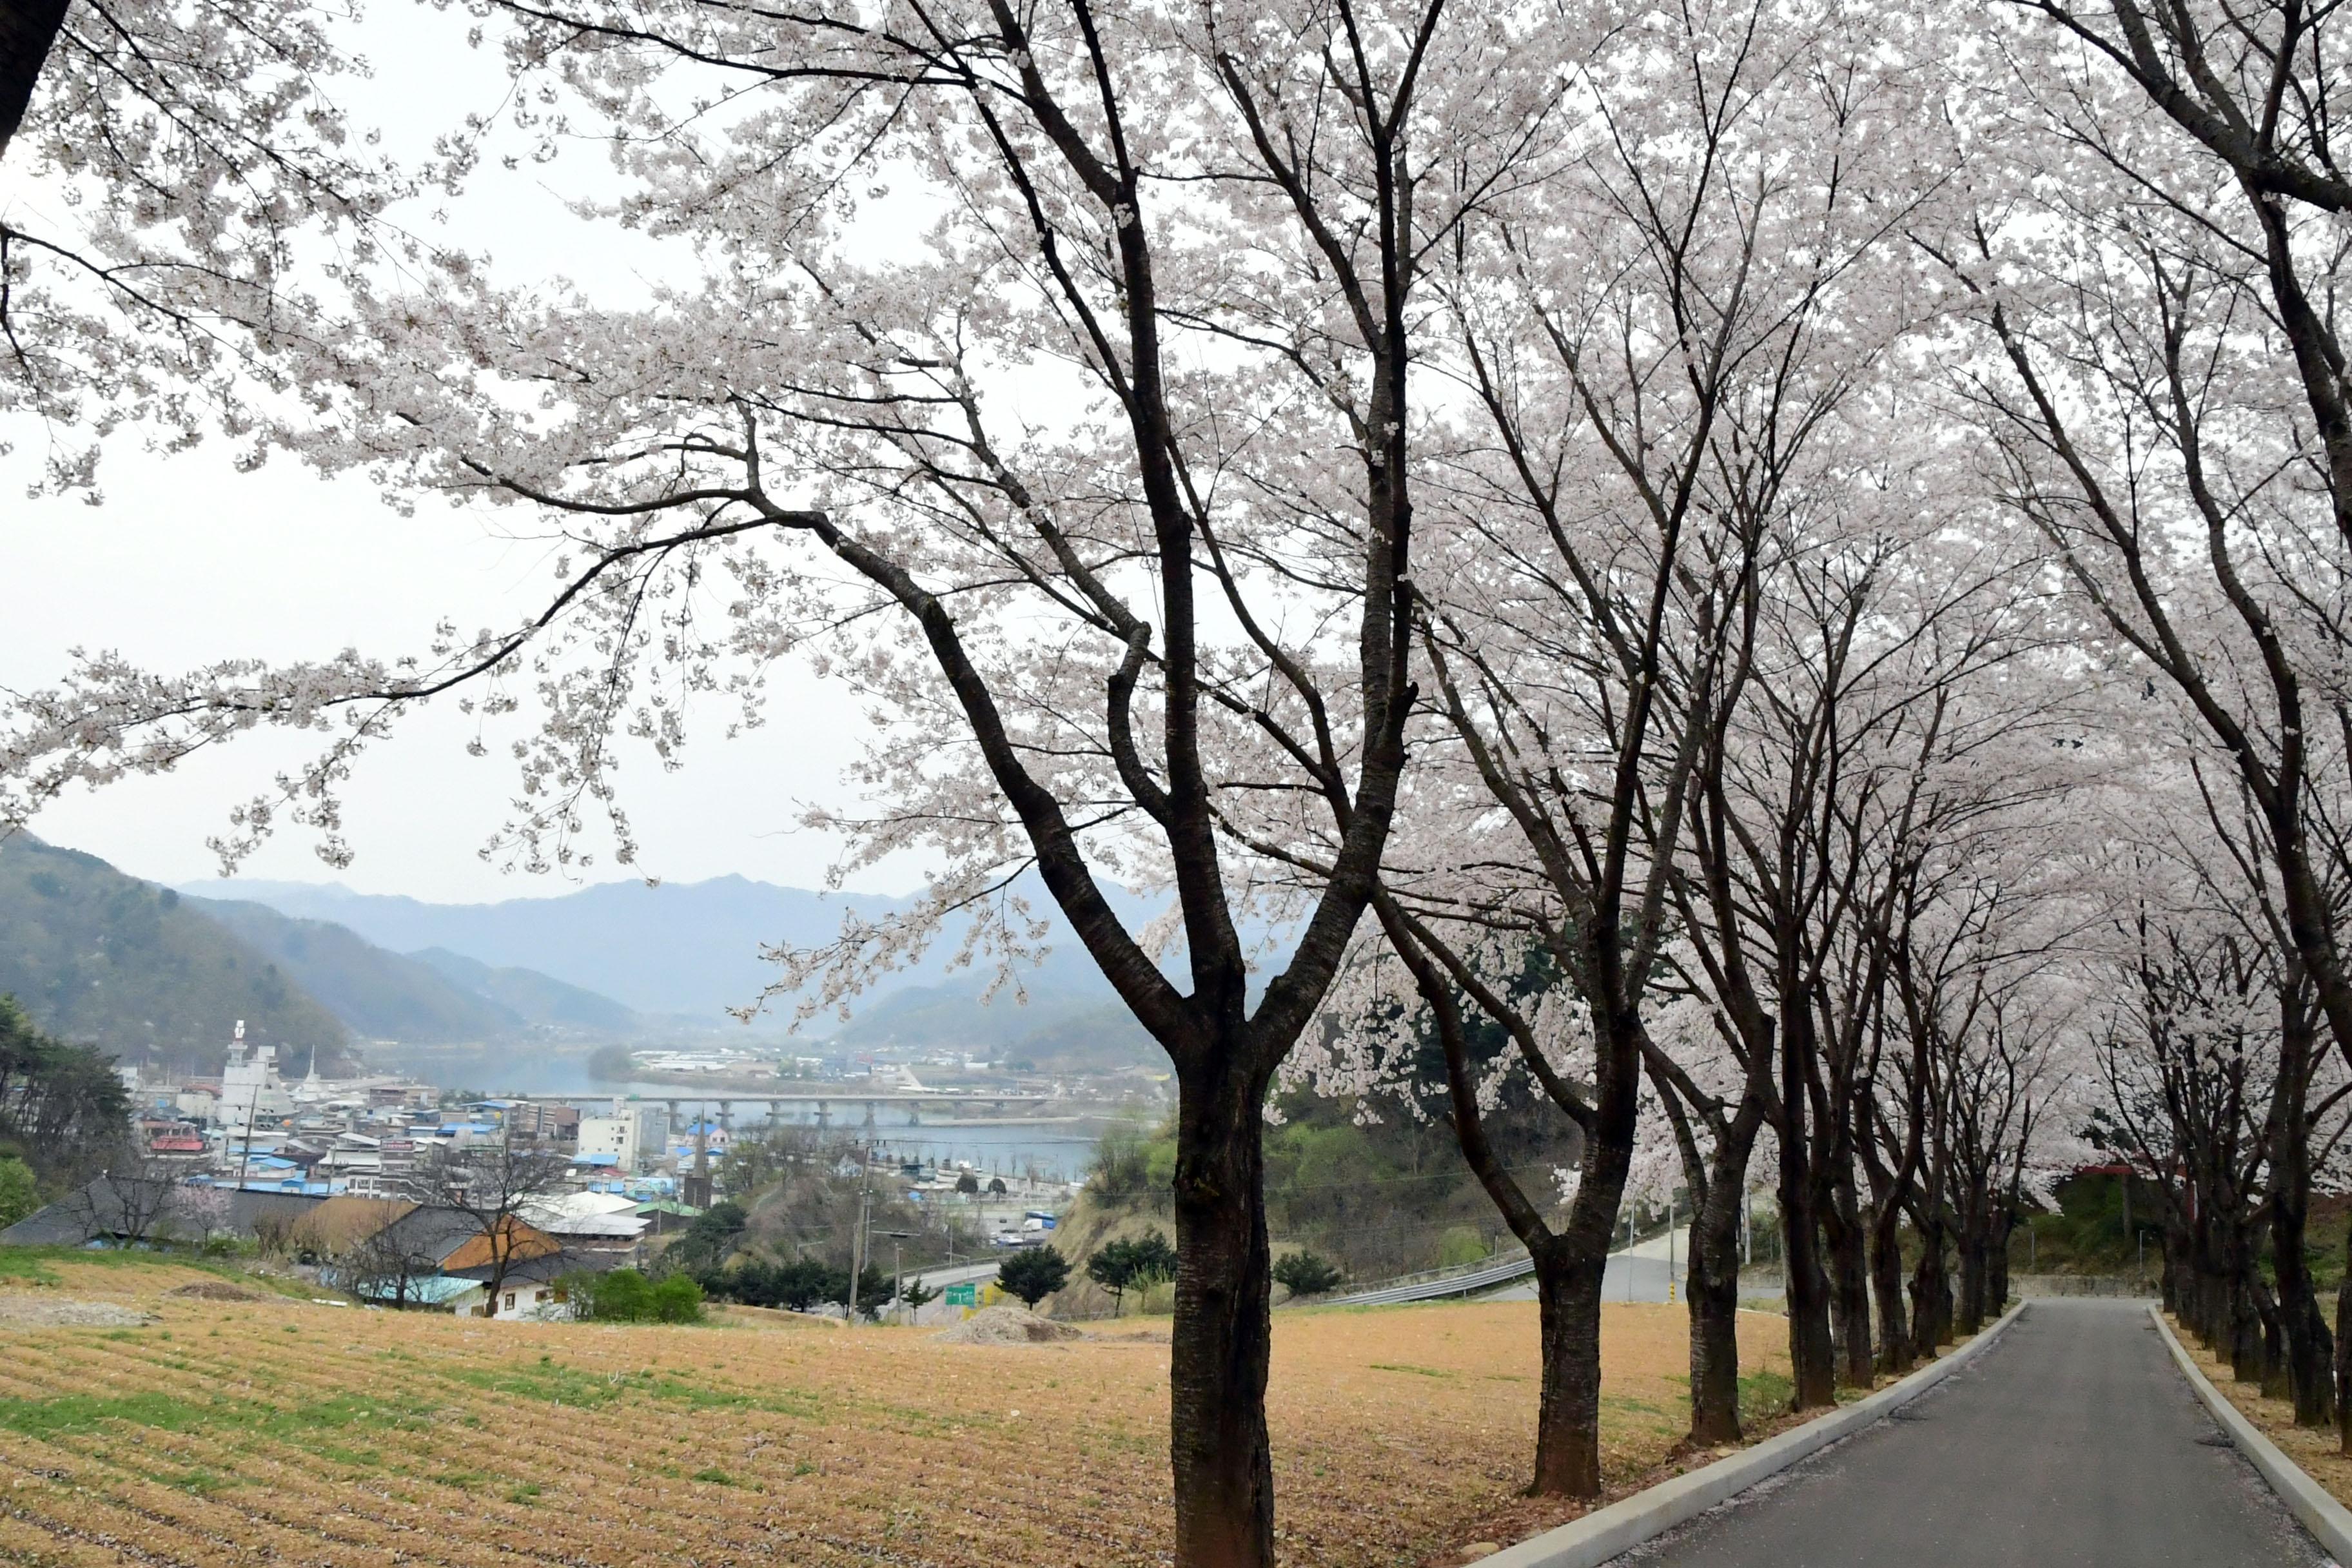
x: 625, y: 959
x: 96, y: 954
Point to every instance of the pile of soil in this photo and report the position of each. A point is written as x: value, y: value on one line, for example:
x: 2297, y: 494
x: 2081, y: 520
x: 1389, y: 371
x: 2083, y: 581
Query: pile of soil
x: 1008, y: 1326
x: 48, y: 1312
x: 214, y: 1290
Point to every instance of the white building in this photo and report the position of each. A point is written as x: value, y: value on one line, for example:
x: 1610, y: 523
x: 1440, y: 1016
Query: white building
x: 251, y: 1092
x: 632, y: 1134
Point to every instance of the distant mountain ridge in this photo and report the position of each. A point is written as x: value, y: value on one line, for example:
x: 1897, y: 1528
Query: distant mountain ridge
x: 688, y: 950
x: 534, y: 998
x: 686, y: 953
x: 433, y: 998
x: 95, y: 955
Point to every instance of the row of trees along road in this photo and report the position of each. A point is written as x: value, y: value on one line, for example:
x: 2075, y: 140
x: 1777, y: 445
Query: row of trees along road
x: 1776, y: 572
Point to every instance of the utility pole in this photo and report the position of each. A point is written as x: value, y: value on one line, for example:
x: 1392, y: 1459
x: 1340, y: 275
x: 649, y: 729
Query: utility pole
x: 1669, y: 1246
x: 857, y: 1240
x: 898, y: 1267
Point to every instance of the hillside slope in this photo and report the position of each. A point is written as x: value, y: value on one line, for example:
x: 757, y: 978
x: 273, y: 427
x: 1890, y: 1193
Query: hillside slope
x: 381, y: 996
x: 535, y: 998
x: 93, y: 955
x: 689, y: 949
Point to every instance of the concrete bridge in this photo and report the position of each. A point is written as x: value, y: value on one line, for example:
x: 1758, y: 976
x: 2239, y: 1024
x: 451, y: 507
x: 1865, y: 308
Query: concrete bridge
x: 913, y: 1103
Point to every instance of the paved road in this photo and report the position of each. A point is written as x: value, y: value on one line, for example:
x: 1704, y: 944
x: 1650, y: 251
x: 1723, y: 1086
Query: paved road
x: 1636, y: 1273
x: 2074, y: 1443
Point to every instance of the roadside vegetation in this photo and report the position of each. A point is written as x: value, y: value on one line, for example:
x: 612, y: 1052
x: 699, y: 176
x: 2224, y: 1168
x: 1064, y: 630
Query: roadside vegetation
x: 1372, y: 1195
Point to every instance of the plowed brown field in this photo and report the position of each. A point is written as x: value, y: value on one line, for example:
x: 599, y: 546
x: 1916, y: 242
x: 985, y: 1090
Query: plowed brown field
x: 277, y: 1430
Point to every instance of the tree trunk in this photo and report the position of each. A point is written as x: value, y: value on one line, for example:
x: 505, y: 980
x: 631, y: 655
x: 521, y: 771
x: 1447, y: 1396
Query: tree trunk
x: 2309, y: 1349
x: 2273, y: 1332
x: 1223, y: 1332
x: 1713, y: 1290
x: 1931, y: 1296
x: 2179, y: 1292
x: 1895, y: 1353
x: 1970, y: 1317
x: 27, y: 28
x: 2213, y: 1312
x: 2343, y: 1358
x: 2245, y: 1332
x: 1997, y: 1265
x: 1813, y: 1355
x: 1567, y: 1417
x: 1850, y: 1277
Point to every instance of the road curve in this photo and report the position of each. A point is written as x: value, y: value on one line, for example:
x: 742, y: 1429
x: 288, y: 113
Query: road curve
x: 2073, y: 1442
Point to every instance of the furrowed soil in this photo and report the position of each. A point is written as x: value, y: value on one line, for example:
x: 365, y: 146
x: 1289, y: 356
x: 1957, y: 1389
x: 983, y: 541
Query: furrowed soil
x: 277, y: 1430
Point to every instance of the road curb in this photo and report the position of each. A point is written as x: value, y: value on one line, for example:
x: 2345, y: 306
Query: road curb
x: 1607, y: 1532
x: 2329, y: 1522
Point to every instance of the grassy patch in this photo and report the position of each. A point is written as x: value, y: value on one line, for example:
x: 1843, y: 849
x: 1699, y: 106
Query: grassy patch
x: 549, y: 1383
x: 1417, y: 1370
x: 26, y: 1263
x: 1763, y: 1396
x: 87, y: 1412
x: 170, y: 1412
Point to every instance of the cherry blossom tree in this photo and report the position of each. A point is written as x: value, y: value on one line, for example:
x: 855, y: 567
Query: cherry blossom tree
x: 1666, y: 345
x: 2166, y: 395
x: 1103, y: 493
x: 185, y: 199
x: 2220, y: 1090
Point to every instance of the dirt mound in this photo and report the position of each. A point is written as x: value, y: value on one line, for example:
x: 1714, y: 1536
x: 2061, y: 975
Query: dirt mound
x: 214, y: 1290
x: 47, y: 1312
x: 1008, y: 1326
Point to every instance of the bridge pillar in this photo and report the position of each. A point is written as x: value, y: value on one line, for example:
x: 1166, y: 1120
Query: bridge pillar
x: 869, y: 1116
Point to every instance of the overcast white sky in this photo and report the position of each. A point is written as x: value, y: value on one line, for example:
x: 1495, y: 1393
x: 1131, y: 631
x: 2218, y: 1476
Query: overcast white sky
x: 189, y: 561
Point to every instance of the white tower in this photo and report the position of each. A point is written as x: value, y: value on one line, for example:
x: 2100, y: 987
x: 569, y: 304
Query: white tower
x: 250, y: 1089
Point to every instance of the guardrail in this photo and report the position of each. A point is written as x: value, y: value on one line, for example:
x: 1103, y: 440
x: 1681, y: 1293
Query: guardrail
x: 1468, y: 1282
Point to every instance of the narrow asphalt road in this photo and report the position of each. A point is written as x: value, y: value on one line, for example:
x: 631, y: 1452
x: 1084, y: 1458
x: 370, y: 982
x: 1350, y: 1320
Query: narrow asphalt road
x: 1636, y: 1273
x: 2073, y: 1442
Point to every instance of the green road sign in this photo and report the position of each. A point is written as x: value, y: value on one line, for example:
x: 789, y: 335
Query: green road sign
x: 967, y: 1295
